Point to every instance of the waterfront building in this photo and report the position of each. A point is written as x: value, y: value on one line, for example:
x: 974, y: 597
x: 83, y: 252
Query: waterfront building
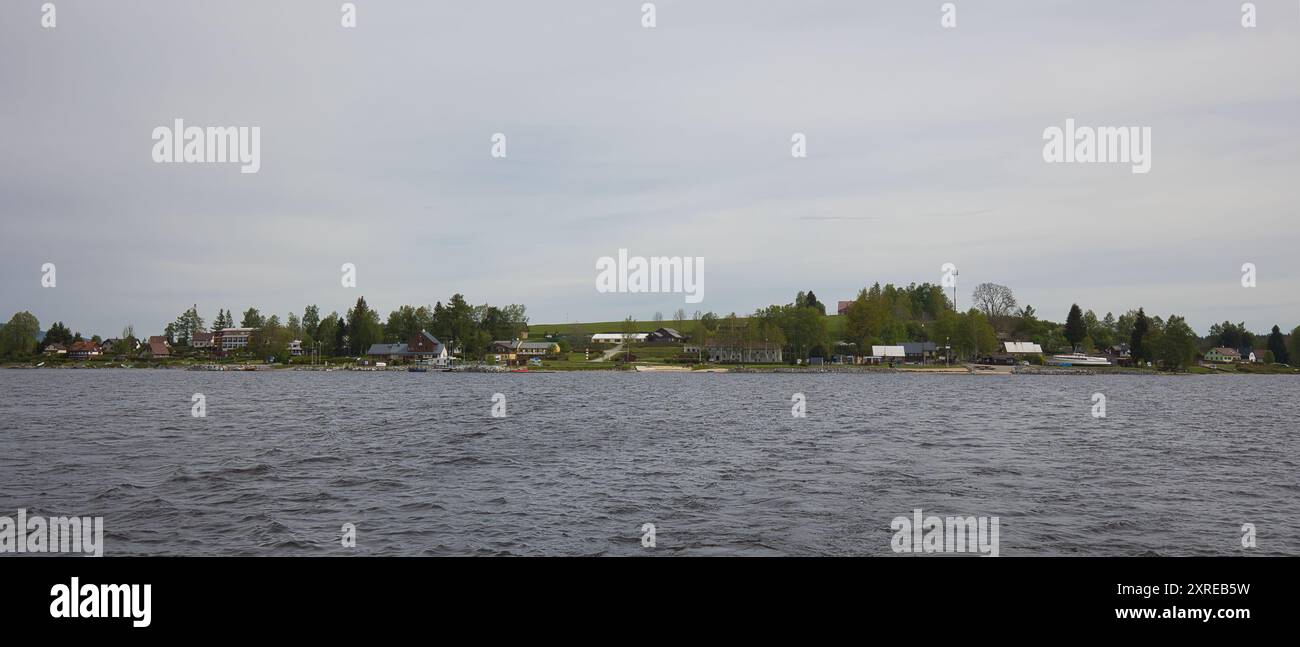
x: 1221, y: 355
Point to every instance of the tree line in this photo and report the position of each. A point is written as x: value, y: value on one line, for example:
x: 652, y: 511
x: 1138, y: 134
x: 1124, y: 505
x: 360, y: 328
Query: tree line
x: 470, y: 328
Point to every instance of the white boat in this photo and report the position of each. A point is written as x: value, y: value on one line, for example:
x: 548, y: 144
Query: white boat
x: 1078, y: 359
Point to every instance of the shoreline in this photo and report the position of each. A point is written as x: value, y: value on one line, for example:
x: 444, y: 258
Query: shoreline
x: 964, y: 369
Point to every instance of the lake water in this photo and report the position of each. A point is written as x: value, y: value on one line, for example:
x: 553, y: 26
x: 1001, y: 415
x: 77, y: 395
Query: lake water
x: 716, y: 461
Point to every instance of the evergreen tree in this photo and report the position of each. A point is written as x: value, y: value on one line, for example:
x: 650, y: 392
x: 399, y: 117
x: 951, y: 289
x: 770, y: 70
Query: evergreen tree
x: 1075, y: 328
x: 363, y: 328
x: 252, y: 319
x: 186, y: 325
x: 57, y: 334
x: 310, y: 321
x: 1137, y: 344
x: 1277, y: 345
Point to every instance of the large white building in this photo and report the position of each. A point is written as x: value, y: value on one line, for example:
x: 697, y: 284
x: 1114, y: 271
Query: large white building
x: 232, y: 338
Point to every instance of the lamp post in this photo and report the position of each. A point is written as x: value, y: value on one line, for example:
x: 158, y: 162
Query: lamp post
x: 955, y: 274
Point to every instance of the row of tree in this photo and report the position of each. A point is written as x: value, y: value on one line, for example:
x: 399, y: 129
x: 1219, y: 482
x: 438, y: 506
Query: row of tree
x: 888, y: 315
x: 471, y: 328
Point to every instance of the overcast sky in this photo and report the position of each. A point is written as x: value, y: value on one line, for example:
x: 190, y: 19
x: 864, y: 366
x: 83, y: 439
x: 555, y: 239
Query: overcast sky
x: 924, y: 147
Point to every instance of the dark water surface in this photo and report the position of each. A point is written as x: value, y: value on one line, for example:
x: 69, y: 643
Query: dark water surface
x: 715, y: 461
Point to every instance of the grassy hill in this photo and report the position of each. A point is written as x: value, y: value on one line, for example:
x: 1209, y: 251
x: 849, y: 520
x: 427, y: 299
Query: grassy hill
x: 834, y: 324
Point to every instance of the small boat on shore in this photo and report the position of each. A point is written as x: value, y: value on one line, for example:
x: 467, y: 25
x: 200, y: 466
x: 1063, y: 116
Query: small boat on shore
x: 1078, y: 359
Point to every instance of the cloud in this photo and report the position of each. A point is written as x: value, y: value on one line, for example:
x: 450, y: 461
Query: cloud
x: 924, y: 148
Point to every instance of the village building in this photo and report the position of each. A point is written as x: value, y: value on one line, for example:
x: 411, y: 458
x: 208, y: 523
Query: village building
x: 426, y: 347
x: 519, y: 351
x: 388, y: 352
x: 228, y: 339
x: 1221, y: 355
x: 157, y: 346
x: 883, y: 354
x: 201, y: 340
x: 56, y: 349
x: 920, y: 351
x: 84, y: 350
x: 422, y: 347
x: 757, y: 353
x: 665, y: 336
x: 1023, y: 348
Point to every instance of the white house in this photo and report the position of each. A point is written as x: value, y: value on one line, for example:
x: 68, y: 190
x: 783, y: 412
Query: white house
x: 1222, y: 355
x: 889, y: 351
x: 1025, y: 347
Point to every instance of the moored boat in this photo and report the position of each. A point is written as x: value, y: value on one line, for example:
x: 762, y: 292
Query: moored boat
x: 1078, y: 359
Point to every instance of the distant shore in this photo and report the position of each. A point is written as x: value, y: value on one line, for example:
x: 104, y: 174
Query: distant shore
x: 958, y: 369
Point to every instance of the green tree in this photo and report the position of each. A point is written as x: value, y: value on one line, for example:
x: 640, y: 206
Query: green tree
x: 809, y: 300
x: 1178, y: 344
x: 1230, y: 335
x: 271, y: 340
x: 252, y: 319
x: 310, y: 322
x: 401, y: 326
x: 57, y: 334
x: 186, y: 325
x: 1293, y: 348
x: 1277, y: 345
x: 364, y: 328
x: 18, y: 337
x: 1137, y: 344
x: 127, y: 343
x: 1075, y: 329
x: 709, y: 321
x: 326, y: 333
x: 974, y: 334
x: 628, y: 329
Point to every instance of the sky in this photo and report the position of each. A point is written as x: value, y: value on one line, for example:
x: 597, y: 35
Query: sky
x: 924, y: 147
